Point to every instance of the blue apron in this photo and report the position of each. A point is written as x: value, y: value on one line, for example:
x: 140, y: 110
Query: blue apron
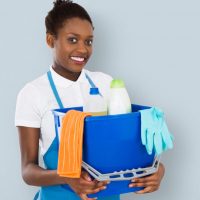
x: 60, y: 192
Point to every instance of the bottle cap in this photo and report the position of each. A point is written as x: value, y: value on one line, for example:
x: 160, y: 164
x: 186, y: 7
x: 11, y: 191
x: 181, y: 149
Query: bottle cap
x: 94, y: 91
x: 117, y: 83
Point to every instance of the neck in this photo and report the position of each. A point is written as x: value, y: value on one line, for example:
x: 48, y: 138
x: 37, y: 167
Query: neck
x: 73, y: 76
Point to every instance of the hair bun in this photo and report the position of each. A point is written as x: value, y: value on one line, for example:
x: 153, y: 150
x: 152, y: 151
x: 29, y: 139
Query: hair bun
x: 62, y: 11
x: 61, y: 2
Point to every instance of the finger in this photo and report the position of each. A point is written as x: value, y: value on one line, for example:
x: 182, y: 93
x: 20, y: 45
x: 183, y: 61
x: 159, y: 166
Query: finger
x: 144, y: 135
x: 87, y: 184
x: 86, y: 176
x: 92, y: 187
x: 93, y: 191
x: 158, y: 143
x: 149, y: 178
x: 143, y: 184
x: 166, y: 136
x: 172, y: 136
x: 146, y: 190
x: 95, y: 187
x: 102, y: 183
x: 85, y: 197
x: 159, y: 113
x: 149, y: 145
x: 95, y: 181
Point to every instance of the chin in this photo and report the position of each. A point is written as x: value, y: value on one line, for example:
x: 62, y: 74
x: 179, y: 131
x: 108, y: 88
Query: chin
x: 77, y: 69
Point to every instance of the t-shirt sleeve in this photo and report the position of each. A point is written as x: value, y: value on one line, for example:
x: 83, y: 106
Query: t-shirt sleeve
x: 27, y: 111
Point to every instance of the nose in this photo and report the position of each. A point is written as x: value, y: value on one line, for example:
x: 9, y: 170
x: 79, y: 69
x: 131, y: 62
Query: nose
x: 82, y: 47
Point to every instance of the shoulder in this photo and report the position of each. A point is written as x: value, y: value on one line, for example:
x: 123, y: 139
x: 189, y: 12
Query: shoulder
x: 29, y: 103
x: 35, y: 86
x: 34, y: 94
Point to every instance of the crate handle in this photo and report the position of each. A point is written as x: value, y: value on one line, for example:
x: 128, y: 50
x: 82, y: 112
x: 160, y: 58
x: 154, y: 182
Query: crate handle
x: 123, y: 175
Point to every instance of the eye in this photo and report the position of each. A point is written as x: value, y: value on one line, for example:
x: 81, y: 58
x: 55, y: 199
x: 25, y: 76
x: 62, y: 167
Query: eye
x: 89, y: 42
x: 72, y: 40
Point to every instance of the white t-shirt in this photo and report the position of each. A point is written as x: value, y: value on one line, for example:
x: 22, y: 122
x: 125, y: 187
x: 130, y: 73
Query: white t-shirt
x: 36, y: 100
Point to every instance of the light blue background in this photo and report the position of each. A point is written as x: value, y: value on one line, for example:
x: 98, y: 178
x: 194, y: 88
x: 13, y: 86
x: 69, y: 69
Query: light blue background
x: 154, y: 46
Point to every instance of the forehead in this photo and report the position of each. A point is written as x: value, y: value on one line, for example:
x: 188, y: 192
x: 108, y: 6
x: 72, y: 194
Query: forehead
x: 76, y: 26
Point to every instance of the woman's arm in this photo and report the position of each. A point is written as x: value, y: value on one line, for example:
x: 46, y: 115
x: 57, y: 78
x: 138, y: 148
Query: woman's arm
x: 33, y: 174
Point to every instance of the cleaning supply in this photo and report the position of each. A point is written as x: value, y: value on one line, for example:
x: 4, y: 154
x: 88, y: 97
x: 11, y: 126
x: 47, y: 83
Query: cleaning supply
x: 119, y: 101
x: 95, y: 103
x: 70, y: 149
x: 154, y: 132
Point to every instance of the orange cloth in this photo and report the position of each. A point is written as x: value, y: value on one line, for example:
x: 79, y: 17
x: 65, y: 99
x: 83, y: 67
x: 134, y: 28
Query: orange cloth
x: 71, y: 140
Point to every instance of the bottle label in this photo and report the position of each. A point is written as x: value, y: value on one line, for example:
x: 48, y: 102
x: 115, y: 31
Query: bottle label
x: 99, y: 113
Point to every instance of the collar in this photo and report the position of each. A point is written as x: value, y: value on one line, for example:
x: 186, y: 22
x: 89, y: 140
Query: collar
x: 61, y: 81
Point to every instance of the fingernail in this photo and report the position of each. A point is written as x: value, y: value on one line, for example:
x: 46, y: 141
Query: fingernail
x: 104, y: 187
x: 89, y: 178
x: 130, y: 185
x: 133, y: 180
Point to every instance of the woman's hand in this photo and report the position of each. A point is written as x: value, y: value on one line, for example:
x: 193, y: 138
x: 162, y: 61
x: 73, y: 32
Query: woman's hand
x: 85, y: 185
x: 150, y: 183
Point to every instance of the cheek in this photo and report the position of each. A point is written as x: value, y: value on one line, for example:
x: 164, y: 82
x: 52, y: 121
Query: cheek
x: 90, y: 50
x: 62, y: 51
x: 61, y: 45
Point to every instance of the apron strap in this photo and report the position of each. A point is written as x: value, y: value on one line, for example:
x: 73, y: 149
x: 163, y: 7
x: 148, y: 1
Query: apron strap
x: 37, y: 196
x: 55, y: 92
x: 91, y: 83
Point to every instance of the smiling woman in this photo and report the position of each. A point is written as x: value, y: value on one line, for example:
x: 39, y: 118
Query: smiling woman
x: 69, y: 33
x: 72, y: 47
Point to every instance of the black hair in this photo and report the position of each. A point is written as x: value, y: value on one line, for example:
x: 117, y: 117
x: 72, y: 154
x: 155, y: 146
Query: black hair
x: 62, y: 11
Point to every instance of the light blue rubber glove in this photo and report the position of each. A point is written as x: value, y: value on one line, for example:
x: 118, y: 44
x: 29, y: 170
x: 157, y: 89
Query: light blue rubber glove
x: 154, y: 132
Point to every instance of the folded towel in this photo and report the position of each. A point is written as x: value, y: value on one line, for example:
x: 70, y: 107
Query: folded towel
x: 71, y: 140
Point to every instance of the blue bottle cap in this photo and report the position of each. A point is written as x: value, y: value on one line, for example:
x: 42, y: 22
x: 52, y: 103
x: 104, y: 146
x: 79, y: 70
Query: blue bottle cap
x: 94, y: 91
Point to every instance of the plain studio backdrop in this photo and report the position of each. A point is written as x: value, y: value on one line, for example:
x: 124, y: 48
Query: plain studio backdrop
x: 154, y: 46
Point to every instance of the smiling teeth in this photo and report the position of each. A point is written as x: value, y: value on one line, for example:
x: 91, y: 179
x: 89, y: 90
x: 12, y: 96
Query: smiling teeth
x: 79, y: 59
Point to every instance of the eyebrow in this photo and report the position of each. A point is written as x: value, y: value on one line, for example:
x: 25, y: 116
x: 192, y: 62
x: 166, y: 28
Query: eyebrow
x: 90, y: 36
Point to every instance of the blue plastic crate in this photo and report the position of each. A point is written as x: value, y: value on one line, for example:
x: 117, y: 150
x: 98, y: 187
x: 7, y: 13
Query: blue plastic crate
x: 112, y: 143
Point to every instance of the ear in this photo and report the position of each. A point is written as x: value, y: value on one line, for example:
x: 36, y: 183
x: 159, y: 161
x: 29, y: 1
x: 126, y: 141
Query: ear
x: 50, y: 40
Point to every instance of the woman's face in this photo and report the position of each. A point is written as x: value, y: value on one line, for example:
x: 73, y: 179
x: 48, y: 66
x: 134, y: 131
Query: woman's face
x: 73, y: 45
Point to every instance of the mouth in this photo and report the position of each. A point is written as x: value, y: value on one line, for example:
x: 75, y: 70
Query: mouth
x: 78, y: 59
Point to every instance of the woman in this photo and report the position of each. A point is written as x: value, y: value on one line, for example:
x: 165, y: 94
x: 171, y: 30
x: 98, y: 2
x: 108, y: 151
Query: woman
x: 69, y: 32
